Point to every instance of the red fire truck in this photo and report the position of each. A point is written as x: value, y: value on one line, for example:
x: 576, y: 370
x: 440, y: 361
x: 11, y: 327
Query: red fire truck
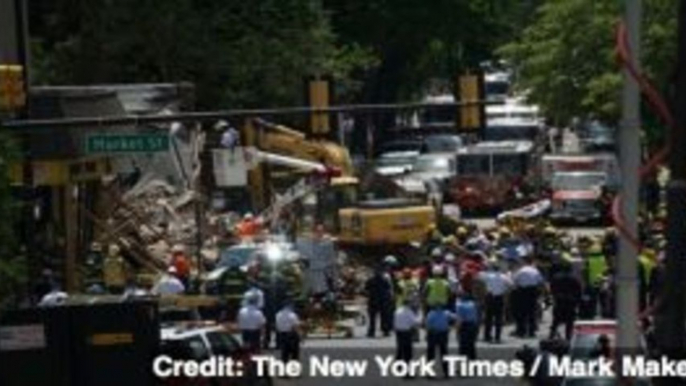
x: 493, y: 175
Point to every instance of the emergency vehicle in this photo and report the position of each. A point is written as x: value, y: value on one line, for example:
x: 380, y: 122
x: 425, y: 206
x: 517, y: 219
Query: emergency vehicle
x: 492, y: 175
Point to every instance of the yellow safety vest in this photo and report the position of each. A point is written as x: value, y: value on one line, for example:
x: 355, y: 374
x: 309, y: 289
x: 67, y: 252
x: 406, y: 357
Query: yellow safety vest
x: 596, y: 269
x: 437, y: 292
x: 648, y: 266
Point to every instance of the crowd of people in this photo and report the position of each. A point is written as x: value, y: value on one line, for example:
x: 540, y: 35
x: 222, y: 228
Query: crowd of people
x: 480, y: 280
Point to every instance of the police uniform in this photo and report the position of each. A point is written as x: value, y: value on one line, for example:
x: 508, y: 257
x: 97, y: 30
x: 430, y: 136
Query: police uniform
x: 251, y: 321
x: 497, y: 285
x: 527, y: 280
x: 288, y: 338
x: 405, y: 322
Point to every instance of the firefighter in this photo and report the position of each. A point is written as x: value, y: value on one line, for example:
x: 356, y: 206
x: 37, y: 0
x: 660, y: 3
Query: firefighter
x: 566, y: 294
x: 181, y: 263
x: 596, y: 268
x: 379, y: 291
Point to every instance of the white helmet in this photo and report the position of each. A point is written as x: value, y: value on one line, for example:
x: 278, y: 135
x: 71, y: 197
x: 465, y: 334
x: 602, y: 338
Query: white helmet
x: 248, y: 216
x: 437, y: 270
x: 390, y: 260
x: 436, y: 252
x: 450, y: 258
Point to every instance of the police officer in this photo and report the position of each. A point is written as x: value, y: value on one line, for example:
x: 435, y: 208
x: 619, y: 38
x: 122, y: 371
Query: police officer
x: 250, y: 322
x: 379, y: 293
x: 288, y: 337
x: 405, y: 323
x: 528, y: 280
x: 497, y: 285
x: 438, y: 322
x: 468, y: 322
x: 566, y: 293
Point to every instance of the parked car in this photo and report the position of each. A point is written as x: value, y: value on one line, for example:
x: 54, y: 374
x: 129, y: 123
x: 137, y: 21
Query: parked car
x: 442, y: 143
x: 198, y: 342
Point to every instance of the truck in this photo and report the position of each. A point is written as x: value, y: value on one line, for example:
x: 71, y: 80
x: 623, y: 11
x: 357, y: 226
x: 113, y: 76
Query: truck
x: 361, y: 212
x: 578, y: 196
x: 601, y: 162
x: 492, y: 175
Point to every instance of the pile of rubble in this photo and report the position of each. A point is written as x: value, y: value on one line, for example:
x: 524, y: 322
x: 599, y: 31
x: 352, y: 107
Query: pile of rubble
x: 148, y: 220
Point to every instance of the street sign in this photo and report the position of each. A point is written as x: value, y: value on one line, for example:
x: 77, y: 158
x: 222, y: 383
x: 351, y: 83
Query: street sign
x: 127, y: 143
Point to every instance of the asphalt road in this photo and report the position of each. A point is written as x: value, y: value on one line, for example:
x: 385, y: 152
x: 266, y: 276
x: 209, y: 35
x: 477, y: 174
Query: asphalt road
x: 360, y: 349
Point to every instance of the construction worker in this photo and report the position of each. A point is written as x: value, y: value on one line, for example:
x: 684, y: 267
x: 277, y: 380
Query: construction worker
x: 467, y: 315
x: 437, y: 289
x: 528, y: 281
x: 408, y: 290
x: 287, y: 335
x: 248, y: 227
x: 497, y: 284
x: 181, y: 263
x: 566, y: 294
x: 114, y: 270
x: 379, y: 291
x: 169, y: 284
x: 596, y: 268
x: 405, y: 323
x: 250, y: 322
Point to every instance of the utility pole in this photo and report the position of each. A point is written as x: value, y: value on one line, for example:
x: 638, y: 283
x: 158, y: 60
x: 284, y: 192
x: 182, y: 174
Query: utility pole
x: 630, y: 154
x: 671, y: 313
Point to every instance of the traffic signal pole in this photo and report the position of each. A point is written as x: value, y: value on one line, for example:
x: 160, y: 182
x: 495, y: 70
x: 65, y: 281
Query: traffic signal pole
x: 630, y: 154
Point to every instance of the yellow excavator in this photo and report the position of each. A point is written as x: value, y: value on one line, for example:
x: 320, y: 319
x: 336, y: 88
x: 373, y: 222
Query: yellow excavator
x: 376, y: 216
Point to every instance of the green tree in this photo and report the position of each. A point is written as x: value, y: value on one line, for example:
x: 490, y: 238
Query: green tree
x: 238, y: 53
x: 565, y: 57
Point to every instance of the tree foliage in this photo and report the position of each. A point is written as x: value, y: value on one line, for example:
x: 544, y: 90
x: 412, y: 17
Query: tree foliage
x: 238, y: 53
x: 566, y: 61
x: 417, y: 41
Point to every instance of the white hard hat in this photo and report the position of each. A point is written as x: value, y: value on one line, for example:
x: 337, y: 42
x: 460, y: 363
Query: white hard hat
x: 390, y: 259
x: 248, y: 216
x: 171, y: 269
x: 450, y: 257
x: 437, y: 270
x: 436, y: 252
x: 177, y: 248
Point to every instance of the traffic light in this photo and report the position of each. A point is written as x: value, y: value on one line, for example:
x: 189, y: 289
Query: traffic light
x: 12, y: 90
x: 472, y: 112
x: 319, y: 97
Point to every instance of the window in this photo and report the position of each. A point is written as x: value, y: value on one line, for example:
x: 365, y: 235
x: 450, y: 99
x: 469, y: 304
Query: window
x: 509, y: 164
x: 474, y: 164
x: 222, y: 343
